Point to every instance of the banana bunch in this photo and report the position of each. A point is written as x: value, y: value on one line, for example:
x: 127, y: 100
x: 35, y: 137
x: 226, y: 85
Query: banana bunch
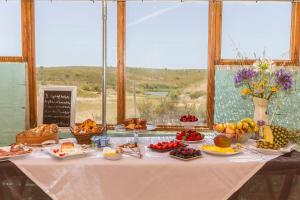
x: 244, y: 126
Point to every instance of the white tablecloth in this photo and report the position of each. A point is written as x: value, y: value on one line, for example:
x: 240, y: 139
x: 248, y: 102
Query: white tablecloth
x: 155, y: 177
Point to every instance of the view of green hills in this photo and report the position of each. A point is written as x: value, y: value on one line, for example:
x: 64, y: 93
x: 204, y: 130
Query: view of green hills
x: 161, y: 94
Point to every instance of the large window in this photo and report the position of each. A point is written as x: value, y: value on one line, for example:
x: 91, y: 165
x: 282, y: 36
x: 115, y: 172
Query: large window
x: 68, y: 52
x: 10, y: 28
x: 252, y: 29
x: 166, y: 60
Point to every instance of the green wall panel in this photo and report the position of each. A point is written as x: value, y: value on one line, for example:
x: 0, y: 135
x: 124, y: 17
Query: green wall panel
x: 12, y: 101
x: 231, y: 106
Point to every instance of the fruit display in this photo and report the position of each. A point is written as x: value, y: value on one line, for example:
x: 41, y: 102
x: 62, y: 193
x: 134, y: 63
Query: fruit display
x: 222, y: 141
x: 189, y: 136
x: 239, y: 131
x: 275, y: 137
x: 165, y: 146
x: 185, y: 153
x: 188, y: 118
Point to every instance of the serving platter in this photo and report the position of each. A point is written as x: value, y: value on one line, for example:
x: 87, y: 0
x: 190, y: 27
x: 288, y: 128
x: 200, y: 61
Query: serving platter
x: 121, y: 128
x: 77, y: 152
x: 287, y: 149
x: 190, y: 142
x: 221, y: 154
x: 27, y: 152
x: 185, y: 159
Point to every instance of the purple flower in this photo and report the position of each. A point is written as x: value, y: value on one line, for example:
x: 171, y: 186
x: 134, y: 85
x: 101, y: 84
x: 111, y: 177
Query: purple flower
x: 244, y: 74
x: 284, y: 78
x: 261, y: 122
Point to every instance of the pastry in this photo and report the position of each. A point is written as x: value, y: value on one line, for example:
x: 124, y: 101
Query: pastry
x: 67, y: 147
x: 15, y: 150
x: 88, y: 126
x: 135, y: 123
x: 38, y: 135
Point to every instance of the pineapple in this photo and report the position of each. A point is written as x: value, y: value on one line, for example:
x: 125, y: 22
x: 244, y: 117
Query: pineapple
x: 275, y: 137
x: 280, y: 135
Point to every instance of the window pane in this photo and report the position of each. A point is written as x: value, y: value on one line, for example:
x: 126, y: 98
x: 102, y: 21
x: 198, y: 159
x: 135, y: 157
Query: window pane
x: 69, y: 52
x: 252, y: 28
x: 10, y: 28
x: 166, y: 60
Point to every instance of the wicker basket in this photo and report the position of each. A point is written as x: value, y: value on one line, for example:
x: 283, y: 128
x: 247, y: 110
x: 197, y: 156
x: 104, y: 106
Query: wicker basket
x: 85, y: 138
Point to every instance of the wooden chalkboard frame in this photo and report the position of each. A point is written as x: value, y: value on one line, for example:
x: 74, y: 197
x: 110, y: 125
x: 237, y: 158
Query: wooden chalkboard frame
x: 72, y: 89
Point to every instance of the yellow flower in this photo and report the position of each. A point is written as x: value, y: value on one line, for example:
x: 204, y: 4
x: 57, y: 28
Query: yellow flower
x: 274, y: 89
x: 261, y: 84
x: 245, y: 91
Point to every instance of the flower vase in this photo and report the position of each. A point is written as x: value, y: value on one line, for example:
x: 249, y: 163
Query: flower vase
x: 261, y: 110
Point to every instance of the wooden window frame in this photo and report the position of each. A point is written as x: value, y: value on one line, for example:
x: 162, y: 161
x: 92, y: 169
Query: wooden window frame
x: 214, y: 56
x: 294, y: 43
x: 28, y: 56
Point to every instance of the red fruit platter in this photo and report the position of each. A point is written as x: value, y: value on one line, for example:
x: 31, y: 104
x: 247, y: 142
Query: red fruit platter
x: 185, y: 154
x: 165, y: 146
x: 190, y: 136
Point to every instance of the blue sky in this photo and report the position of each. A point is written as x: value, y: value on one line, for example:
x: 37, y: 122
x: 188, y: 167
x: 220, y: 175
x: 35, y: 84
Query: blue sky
x: 159, y: 34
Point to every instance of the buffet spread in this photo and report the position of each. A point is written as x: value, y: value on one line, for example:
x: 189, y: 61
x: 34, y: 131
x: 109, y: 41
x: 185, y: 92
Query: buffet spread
x: 221, y: 160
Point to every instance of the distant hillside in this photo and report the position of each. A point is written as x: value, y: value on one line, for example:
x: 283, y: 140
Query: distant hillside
x: 88, y: 79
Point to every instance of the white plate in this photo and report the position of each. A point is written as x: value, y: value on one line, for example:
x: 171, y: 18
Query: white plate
x: 118, y: 157
x: 78, y: 152
x: 186, y: 159
x: 190, y: 142
x: 221, y: 154
x: 12, y: 156
x: 287, y: 149
x: 121, y: 128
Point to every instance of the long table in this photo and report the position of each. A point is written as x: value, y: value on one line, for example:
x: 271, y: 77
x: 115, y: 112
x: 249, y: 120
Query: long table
x: 155, y: 177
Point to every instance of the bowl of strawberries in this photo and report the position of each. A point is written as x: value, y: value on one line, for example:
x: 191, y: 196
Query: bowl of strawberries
x: 190, y: 136
x: 188, y: 121
x: 166, y: 146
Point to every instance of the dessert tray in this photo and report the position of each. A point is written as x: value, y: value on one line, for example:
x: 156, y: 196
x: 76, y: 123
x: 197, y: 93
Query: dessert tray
x: 14, y: 151
x: 68, y: 150
x: 213, y: 150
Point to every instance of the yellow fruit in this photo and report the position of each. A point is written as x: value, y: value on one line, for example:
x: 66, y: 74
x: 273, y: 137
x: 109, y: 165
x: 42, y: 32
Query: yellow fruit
x: 220, y: 128
x: 230, y: 126
x: 230, y: 131
x: 239, y: 125
x: 245, y: 126
x: 268, y: 135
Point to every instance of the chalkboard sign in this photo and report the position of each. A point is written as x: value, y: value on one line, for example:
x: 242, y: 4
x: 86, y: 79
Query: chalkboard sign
x: 57, y: 105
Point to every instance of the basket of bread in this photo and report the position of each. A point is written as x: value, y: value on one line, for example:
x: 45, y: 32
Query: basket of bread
x: 84, y: 131
x: 38, y: 135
